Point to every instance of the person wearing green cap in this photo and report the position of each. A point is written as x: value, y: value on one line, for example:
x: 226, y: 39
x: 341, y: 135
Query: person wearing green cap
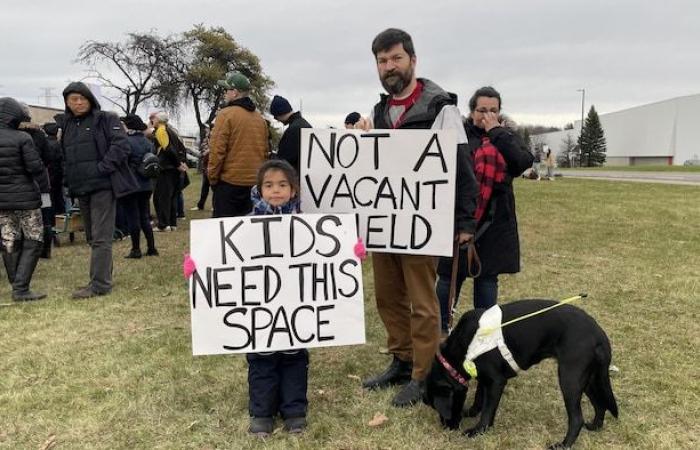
x: 238, y: 147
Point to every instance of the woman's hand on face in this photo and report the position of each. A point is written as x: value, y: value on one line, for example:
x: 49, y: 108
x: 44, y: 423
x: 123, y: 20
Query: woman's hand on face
x: 490, y: 121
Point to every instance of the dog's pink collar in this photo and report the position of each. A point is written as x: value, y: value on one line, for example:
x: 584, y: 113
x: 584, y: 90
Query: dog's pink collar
x: 451, y: 370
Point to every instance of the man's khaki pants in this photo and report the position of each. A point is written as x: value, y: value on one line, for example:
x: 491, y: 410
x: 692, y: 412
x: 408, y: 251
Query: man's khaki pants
x: 404, y: 287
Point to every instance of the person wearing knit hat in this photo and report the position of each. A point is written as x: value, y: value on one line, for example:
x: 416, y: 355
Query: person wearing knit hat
x: 133, y: 122
x: 279, y: 106
x: 351, y: 119
x: 290, y: 143
x: 238, y: 146
x: 136, y: 205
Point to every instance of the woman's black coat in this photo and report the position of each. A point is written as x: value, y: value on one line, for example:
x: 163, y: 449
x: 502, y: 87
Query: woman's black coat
x: 497, y: 240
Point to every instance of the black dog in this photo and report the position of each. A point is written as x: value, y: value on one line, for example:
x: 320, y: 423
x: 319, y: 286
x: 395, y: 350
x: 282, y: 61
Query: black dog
x: 565, y: 333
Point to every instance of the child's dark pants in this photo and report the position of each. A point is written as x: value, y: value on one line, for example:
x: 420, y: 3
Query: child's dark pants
x: 277, y: 383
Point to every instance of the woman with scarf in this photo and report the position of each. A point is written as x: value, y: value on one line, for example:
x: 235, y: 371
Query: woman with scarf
x: 499, y: 155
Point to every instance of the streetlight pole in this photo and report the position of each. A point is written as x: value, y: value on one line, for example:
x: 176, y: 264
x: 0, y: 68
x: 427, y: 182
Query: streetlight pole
x: 583, y: 102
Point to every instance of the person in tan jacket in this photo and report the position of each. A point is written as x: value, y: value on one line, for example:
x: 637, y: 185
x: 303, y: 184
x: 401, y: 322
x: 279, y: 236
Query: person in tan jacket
x: 238, y: 147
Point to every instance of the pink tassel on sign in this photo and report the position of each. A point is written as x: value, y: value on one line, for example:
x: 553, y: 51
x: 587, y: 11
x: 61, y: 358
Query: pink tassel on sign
x: 360, y: 250
x: 188, y: 266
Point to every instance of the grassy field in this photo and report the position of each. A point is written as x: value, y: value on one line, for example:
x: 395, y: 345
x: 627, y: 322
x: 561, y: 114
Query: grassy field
x: 660, y: 168
x: 117, y: 372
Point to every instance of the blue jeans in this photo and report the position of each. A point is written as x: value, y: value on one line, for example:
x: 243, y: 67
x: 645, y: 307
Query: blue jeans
x: 485, y: 294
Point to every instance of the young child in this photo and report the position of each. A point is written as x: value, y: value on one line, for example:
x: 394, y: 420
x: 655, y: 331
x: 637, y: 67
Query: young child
x: 277, y: 381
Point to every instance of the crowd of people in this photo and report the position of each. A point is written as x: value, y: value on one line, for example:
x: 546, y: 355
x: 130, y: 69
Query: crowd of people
x: 104, y: 163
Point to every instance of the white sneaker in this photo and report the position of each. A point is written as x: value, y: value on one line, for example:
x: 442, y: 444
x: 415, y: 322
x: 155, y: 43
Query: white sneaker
x: 162, y: 230
x: 195, y: 208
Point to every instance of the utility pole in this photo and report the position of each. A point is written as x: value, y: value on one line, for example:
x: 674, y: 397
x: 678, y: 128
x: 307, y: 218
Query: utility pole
x: 47, y: 96
x: 583, y: 103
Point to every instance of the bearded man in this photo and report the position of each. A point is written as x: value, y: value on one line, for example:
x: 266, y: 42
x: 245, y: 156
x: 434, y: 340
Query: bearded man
x: 405, y: 284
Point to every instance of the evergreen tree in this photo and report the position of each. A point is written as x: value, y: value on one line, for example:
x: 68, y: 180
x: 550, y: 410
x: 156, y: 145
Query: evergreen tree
x: 592, y: 141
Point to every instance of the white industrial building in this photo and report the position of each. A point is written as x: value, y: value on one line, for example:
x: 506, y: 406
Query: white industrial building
x: 665, y: 132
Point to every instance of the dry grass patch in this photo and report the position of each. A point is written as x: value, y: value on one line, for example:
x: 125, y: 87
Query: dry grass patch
x: 117, y: 372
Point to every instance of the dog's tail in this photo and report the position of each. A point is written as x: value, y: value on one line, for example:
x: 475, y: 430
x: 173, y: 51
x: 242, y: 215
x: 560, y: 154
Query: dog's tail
x: 602, y: 378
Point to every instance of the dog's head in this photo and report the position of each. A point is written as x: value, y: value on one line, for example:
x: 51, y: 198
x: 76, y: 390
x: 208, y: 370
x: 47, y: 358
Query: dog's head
x: 445, y: 394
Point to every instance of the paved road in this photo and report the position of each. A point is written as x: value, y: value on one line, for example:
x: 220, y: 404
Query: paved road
x: 687, y: 178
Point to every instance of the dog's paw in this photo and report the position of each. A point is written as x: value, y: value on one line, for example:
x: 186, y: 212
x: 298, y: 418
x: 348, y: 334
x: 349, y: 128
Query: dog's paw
x: 593, y: 426
x: 474, y: 432
x: 558, y: 446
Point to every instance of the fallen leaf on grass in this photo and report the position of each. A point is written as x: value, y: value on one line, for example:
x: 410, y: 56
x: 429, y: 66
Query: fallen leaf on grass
x: 193, y: 424
x: 354, y: 377
x: 50, y: 443
x: 320, y: 392
x: 378, y: 420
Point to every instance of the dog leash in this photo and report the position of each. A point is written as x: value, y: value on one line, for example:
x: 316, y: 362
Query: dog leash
x: 472, y: 260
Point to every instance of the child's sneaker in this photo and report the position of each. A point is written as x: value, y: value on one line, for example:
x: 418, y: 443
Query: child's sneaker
x: 261, y: 426
x: 295, y: 424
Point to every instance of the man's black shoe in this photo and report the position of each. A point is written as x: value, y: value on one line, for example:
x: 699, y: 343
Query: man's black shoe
x: 398, y: 372
x: 410, y: 394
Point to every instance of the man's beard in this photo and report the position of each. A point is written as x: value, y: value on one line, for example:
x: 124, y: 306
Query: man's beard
x: 396, y: 81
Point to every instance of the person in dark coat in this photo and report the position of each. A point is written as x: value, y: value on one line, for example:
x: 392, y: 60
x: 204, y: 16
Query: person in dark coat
x: 290, y: 143
x: 171, y: 158
x: 41, y: 144
x: 136, y: 205
x: 202, y: 164
x: 55, y: 168
x: 23, y: 183
x: 95, y: 149
x: 499, y: 155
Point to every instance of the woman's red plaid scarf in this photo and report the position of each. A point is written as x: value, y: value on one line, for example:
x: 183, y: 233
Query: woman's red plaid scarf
x: 489, y: 168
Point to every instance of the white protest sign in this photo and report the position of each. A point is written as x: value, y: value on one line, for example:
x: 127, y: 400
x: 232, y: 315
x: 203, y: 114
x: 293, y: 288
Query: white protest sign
x: 400, y: 183
x: 275, y: 282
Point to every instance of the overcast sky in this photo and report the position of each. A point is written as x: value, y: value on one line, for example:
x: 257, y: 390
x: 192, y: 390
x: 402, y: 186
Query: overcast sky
x: 536, y: 53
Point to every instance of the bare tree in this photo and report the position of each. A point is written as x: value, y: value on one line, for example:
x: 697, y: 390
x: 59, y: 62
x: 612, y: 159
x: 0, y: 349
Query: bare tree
x: 568, y: 154
x: 134, y: 68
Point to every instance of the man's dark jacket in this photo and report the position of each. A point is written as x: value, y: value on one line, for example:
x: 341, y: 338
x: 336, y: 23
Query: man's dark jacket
x: 290, y: 142
x: 95, y: 149
x: 421, y: 116
x: 22, y: 174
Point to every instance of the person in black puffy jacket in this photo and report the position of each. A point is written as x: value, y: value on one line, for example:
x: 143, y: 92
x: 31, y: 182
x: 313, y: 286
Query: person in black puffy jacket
x: 95, y: 150
x: 23, y: 181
